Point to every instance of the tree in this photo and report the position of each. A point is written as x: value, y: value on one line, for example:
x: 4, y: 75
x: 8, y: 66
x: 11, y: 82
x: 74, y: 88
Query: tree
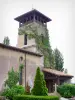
x: 58, y: 60
x: 13, y: 78
x: 39, y: 84
x: 6, y: 40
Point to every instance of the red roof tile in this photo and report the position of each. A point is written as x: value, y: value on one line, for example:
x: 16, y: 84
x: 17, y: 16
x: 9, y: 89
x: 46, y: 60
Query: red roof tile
x: 56, y: 72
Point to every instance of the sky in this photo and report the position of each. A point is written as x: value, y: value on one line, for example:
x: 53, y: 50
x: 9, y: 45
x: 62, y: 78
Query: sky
x: 61, y: 28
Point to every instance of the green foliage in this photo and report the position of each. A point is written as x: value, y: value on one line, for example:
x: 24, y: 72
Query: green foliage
x: 13, y: 78
x: 52, y: 59
x: 45, y: 90
x: 66, y: 90
x: 21, y: 67
x: 31, y: 97
x: 39, y: 84
x: 13, y: 89
x: 42, y: 43
x: 58, y: 60
x: 16, y: 90
x: 6, y: 41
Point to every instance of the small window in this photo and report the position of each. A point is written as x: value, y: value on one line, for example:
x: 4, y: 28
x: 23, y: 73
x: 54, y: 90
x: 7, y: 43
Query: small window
x: 25, y: 39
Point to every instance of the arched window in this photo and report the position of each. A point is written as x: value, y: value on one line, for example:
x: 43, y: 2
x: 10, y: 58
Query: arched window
x: 20, y: 59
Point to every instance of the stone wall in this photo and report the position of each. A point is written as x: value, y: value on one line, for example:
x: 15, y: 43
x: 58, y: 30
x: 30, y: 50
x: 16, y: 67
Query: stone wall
x: 10, y: 58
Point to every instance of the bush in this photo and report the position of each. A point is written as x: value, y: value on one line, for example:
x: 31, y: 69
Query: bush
x: 39, y: 84
x: 13, y: 78
x: 66, y: 90
x: 9, y: 93
x: 31, y: 97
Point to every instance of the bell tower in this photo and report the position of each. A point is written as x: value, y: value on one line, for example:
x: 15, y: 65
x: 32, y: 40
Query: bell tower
x: 35, y: 19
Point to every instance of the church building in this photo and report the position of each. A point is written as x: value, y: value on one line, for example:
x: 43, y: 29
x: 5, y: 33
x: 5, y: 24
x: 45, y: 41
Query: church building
x: 26, y: 53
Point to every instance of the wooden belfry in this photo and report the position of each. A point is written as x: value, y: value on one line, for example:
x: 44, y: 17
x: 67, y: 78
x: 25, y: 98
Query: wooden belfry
x: 33, y: 15
x: 30, y: 17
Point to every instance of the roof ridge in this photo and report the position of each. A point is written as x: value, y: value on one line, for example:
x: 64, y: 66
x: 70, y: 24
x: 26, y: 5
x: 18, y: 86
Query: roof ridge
x: 20, y: 50
x: 56, y: 72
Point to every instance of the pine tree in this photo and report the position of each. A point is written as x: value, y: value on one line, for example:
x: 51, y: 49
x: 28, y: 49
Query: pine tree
x: 6, y: 41
x: 58, y: 60
x: 39, y: 84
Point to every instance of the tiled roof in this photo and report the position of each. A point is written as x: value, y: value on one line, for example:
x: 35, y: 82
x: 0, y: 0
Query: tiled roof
x: 34, y: 11
x: 56, y: 72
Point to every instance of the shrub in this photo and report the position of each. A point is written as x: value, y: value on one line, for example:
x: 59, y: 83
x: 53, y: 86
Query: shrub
x: 39, y: 84
x: 13, y: 78
x: 66, y: 90
x: 9, y: 93
x: 31, y: 97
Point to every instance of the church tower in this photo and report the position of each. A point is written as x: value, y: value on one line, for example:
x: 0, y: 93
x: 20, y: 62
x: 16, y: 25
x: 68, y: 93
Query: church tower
x: 34, y: 18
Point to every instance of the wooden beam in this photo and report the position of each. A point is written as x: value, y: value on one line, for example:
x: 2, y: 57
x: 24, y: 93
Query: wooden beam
x: 64, y: 78
x: 50, y: 78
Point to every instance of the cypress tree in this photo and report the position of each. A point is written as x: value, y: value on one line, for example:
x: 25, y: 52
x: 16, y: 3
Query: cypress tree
x: 39, y: 84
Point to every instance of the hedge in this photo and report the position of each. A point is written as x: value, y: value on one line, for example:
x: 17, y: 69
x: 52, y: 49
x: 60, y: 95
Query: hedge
x: 66, y: 90
x: 16, y: 90
x: 32, y: 97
